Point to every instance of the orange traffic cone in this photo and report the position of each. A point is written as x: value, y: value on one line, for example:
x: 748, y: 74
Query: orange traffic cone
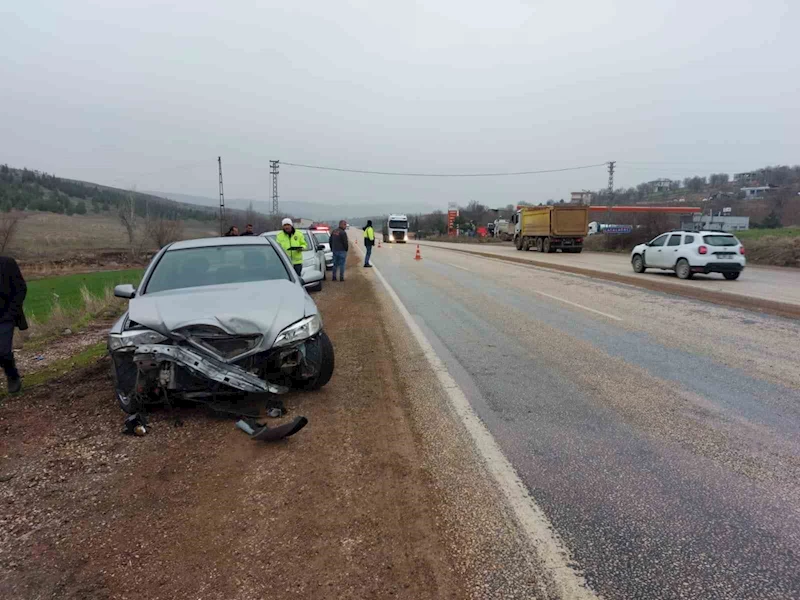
x: 418, y: 255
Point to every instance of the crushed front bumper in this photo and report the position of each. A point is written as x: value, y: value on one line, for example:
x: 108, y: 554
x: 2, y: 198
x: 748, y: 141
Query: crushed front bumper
x: 150, y: 356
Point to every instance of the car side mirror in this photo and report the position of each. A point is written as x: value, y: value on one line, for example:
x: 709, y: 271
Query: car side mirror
x: 125, y: 290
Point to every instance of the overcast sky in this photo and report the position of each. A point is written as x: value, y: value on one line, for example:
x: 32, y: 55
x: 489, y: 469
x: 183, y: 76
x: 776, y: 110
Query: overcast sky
x: 148, y: 94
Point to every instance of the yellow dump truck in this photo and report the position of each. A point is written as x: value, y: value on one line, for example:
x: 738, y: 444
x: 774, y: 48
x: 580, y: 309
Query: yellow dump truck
x: 549, y: 228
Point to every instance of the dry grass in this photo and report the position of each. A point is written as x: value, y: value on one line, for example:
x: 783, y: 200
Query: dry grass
x: 774, y: 250
x: 101, y: 306
x: 42, y: 236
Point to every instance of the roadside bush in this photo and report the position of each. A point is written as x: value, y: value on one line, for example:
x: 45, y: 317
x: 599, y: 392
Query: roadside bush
x: 774, y: 250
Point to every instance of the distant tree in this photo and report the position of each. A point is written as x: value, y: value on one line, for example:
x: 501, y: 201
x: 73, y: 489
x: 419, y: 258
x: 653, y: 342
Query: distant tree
x: 164, y: 231
x: 80, y: 207
x: 8, y: 228
x: 773, y: 221
x: 694, y: 184
x: 717, y: 179
x: 127, y: 217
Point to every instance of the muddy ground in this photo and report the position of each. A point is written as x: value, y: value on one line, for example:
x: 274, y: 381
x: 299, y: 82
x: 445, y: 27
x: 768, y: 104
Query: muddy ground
x: 344, y: 509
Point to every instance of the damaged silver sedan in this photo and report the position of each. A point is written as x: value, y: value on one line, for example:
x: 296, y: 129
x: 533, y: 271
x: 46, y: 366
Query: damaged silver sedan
x: 216, y: 319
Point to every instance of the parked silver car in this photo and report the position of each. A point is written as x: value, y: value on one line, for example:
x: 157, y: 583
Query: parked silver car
x: 216, y: 317
x: 323, y: 237
x: 313, y: 258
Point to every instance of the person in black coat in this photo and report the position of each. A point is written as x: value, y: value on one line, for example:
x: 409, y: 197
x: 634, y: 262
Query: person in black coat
x: 12, y: 294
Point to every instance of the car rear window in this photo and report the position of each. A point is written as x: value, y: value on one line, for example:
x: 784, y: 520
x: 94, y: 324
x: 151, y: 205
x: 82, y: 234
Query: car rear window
x: 720, y: 240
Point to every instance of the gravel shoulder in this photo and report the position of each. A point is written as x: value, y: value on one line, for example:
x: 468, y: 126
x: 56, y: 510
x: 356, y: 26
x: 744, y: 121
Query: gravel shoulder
x: 379, y: 496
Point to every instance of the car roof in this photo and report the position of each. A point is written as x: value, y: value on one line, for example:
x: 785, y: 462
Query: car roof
x: 245, y: 240
x: 702, y: 231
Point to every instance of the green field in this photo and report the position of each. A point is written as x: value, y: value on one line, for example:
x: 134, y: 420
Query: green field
x: 757, y: 234
x: 42, y: 293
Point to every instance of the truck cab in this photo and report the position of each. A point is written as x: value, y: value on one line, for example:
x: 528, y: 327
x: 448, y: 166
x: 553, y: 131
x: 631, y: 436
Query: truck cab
x: 396, y: 229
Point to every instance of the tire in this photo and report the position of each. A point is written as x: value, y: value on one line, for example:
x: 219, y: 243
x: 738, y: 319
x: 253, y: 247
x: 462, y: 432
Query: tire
x: 518, y: 243
x: 526, y: 245
x: 546, y: 247
x: 638, y: 264
x: 731, y: 276
x: 124, y: 374
x: 322, y: 351
x: 683, y: 270
x: 539, y: 245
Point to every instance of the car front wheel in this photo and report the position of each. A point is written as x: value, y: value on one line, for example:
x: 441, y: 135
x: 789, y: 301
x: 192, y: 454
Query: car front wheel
x: 731, y: 276
x: 319, y: 352
x: 638, y: 264
x: 683, y: 270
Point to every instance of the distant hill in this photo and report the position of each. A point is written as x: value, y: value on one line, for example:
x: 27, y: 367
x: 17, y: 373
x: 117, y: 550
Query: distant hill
x: 310, y: 210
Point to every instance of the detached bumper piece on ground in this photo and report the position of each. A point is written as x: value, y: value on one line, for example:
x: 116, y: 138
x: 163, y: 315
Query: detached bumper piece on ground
x: 263, y: 433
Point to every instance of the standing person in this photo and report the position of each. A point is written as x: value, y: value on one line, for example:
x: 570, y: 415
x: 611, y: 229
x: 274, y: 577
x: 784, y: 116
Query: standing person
x: 339, y: 247
x: 369, y: 242
x: 232, y: 232
x: 293, y: 242
x: 248, y: 230
x: 12, y: 295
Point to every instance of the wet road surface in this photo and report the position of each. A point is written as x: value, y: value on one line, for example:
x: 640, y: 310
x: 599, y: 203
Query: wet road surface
x: 660, y: 435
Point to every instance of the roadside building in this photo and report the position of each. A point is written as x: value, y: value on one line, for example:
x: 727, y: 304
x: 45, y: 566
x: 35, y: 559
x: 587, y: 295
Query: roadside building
x: 757, y: 191
x: 661, y: 185
x: 583, y: 197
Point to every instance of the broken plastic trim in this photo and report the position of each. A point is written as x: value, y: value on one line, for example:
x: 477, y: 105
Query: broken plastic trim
x: 207, y: 366
x: 259, y: 432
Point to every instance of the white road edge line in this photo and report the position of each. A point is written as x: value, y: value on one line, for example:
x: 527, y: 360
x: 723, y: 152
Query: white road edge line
x: 458, y: 267
x: 570, y: 585
x: 581, y: 306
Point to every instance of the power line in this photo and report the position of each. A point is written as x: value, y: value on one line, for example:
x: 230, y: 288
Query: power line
x: 407, y: 174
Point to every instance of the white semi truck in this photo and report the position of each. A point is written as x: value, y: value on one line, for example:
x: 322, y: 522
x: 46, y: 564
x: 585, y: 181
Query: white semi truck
x: 396, y: 229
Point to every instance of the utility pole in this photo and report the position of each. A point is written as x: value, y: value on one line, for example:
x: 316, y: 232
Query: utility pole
x: 273, y: 169
x: 221, y: 200
x: 610, y: 203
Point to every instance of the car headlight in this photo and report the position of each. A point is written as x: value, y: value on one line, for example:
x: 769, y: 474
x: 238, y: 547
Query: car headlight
x: 301, y: 330
x: 133, y: 338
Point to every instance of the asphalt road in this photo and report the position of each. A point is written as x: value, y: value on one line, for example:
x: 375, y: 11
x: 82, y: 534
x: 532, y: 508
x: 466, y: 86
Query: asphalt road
x: 660, y: 435
x: 770, y: 283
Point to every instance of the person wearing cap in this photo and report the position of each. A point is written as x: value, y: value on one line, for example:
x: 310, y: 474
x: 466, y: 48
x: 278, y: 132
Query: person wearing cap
x: 293, y: 243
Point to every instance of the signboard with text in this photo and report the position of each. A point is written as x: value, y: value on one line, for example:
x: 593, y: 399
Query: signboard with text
x: 618, y: 229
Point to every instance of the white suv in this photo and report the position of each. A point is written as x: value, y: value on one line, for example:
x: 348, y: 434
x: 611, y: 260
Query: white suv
x: 690, y: 252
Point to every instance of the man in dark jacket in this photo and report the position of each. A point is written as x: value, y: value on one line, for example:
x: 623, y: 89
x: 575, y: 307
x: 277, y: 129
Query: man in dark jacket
x: 12, y: 295
x: 339, y: 247
x: 248, y: 230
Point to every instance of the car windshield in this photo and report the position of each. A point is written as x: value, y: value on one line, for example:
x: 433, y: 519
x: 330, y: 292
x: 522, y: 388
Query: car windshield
x: 396, y: 224
x: 720, y: 240
x: 215, y: 265
x: 323, y: 237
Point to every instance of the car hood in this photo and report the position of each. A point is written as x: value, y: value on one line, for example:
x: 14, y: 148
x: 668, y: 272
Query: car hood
x: 261, y: 307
